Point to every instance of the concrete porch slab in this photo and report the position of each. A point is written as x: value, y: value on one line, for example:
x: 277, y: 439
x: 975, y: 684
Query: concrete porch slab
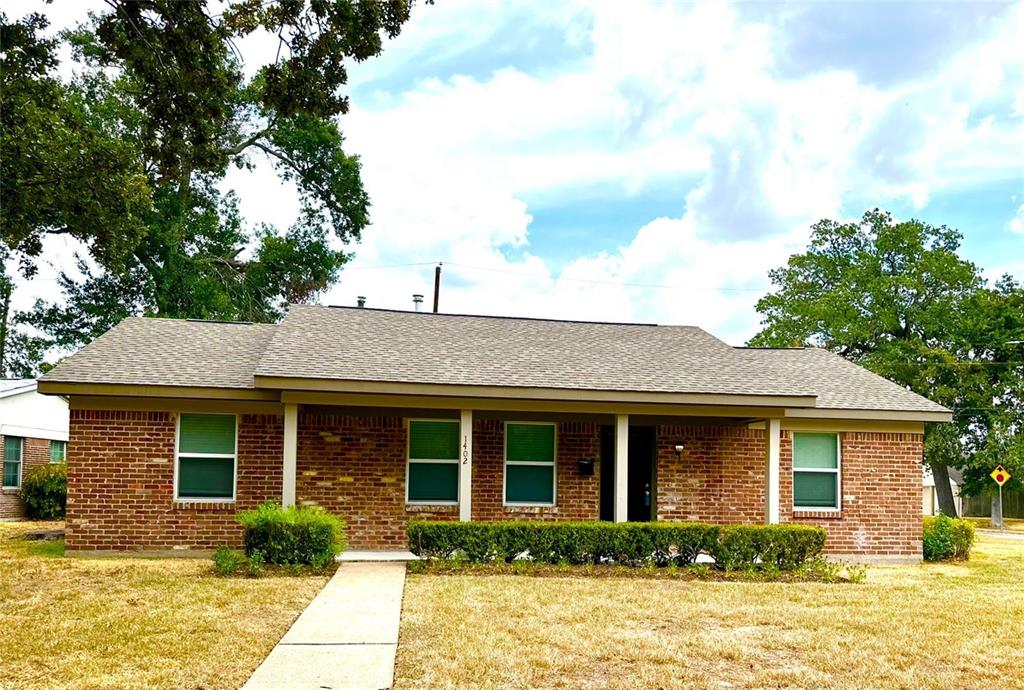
x: 356, y: 556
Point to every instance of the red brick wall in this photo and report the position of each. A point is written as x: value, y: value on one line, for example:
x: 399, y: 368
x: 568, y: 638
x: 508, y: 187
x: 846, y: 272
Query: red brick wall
x: 34, y: 452
x: 121, y: 469
x: 880, y: 485
x: 361, y: 476
x: 121, y: 483
x: 721, y: 479
x: 577, y: 496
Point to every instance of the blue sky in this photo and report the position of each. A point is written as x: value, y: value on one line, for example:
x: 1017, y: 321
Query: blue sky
x: 560, y: 157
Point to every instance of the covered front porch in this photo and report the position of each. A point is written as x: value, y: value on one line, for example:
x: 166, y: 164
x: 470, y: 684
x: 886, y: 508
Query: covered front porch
x: 380, y: 465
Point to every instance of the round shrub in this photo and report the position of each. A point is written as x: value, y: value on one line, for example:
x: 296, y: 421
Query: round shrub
x: 305, y: 535
x: 947, y: 539
x: 44, y: 489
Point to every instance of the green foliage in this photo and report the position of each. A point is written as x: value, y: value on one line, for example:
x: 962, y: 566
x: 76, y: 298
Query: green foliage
x: 305, y: 535
x: 653, y: 544
x: 226, y: 561
x: 856, y: 572
x: 255, y: 561
x: 779, y: 546
x: 897, y: 298
x: 60, y: 171
x: 131, y: 153
x: 44, y: 489
x: 947, y: 539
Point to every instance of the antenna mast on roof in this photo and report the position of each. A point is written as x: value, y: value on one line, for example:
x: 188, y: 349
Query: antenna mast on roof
x: 437, y: 284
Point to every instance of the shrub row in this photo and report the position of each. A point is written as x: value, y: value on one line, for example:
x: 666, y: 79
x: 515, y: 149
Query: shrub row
x: 305, y: 535
x: 947, y: 539
x: 632, y: 543
x: 44, y: 489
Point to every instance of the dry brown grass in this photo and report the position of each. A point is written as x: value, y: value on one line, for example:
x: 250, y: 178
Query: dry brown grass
x: 132, y: 622
x: 1011, y: 524
x: 924, y: 626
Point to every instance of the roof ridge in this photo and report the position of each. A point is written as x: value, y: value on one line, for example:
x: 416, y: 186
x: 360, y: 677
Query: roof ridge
x: 492, y: 316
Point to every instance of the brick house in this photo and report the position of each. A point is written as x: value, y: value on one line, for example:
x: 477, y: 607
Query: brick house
x: 383, y: 417
x: 33, y: 431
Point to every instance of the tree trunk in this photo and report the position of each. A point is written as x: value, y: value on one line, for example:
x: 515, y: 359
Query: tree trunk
x: 942, y: 489
x: 5, y: 307
x: 997, y: 511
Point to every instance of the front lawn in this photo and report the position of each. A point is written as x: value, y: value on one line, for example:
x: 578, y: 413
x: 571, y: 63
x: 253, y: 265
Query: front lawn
x: 1011, y: 524
x: 924, y: 626
x: 132, y: 622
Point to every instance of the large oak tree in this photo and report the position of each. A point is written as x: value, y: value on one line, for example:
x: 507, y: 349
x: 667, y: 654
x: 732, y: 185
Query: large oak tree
x: 897, y: 298
x: 130, y: 156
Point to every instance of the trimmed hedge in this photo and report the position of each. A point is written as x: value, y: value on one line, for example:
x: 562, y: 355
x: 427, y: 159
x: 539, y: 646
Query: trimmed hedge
x: 44, y: 489
x: 306, y: 535
x: 630, y: 543
x: 947, y: 539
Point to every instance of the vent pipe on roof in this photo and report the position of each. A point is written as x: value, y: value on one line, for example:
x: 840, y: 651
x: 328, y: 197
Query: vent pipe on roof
x: 417, y: 300
x: 360, y: 301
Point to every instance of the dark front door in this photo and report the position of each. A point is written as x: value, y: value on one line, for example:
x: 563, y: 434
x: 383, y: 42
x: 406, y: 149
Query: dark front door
x: 640, y: 490
x: 639, y: 507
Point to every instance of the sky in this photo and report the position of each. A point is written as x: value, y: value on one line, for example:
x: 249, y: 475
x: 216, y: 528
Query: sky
x: 651, y: 161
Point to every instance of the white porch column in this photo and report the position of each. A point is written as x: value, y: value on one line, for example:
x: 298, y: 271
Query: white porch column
x: 621, y: 467
x: 291, y: 443
x: 466, y: 467
x: 773, y: 427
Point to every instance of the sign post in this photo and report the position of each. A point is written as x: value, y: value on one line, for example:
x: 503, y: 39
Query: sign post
x: 1001, y: 476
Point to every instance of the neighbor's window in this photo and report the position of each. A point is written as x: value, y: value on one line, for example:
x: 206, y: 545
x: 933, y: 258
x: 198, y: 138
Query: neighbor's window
x: 816, y: 471
x: 58, y: 451
x: 530, y: 464
x: 433, y: 467
x: 12, y: 462
x: 206, y: 456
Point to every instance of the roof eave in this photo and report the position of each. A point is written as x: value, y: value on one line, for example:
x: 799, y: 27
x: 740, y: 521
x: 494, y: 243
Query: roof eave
x: 284, y: 383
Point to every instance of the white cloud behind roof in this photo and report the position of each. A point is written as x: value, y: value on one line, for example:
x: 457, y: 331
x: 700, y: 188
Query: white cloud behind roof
x: 649, y: 143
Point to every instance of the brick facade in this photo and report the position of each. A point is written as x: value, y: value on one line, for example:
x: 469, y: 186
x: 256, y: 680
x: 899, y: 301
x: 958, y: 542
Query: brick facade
x: 880, y: 486
x: 34, y: 452
x: 121, y: 483
x: 121, y: 473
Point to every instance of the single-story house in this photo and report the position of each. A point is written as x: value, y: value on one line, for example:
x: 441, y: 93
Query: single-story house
x: 386, y: 416
x: 33, y: 431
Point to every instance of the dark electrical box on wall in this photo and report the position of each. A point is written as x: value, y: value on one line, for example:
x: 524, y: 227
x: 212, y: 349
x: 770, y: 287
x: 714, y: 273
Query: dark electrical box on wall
x: 587, y: 467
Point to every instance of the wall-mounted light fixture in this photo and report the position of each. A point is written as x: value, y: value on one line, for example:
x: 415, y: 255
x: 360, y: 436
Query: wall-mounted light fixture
x: 679, y: 452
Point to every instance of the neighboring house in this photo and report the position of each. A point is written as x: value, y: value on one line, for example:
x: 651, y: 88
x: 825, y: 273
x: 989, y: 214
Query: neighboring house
x: 930, y: 497
x: 383, y: 417
x: 33, y: 431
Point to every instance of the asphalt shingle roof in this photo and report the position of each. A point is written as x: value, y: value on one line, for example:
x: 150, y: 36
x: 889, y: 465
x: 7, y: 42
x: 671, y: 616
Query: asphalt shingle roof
x: 169, y: 352
x: 353, y: 344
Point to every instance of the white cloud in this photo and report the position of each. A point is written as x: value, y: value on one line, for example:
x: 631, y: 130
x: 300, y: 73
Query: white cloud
x: 657, y: 93
x: 1016, y: 223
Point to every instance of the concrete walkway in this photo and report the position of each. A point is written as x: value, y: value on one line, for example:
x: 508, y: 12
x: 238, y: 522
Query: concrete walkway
x: 346, y: 638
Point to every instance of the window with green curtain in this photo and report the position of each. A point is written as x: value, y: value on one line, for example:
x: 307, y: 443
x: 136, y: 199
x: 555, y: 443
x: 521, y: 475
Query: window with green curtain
x: 530, y: 463
x: 433, y: 461
x: 12, y: 461
x: 816, y: 471
x: 206, y: 456
x: 58, y: 451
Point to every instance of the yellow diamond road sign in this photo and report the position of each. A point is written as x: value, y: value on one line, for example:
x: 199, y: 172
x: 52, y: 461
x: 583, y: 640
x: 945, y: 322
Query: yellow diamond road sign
x: 1000, y: 475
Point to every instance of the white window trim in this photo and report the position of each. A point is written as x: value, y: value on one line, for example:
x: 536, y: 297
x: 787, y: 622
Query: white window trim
x: 21, y: 462
x: 427, y: 461
x: 506, y: 462
x: 837, y: 470
x: 177, y: 458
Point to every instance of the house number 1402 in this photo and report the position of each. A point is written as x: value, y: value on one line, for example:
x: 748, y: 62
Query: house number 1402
x: 465, y: 450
